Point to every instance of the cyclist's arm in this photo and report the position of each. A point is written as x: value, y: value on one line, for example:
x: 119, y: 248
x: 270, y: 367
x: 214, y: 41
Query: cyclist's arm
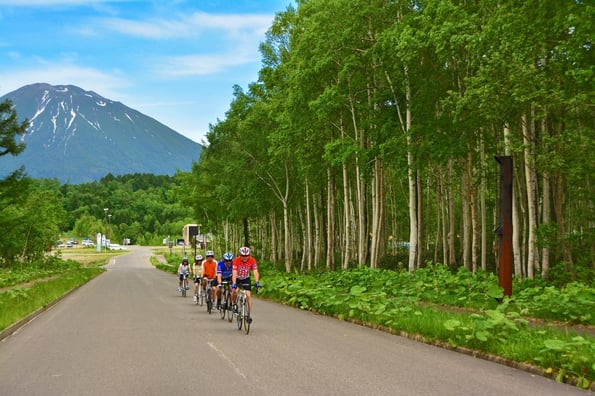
x: 256, y: 275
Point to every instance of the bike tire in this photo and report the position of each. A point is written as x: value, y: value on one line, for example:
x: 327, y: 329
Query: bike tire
x: 229, y: 308
x: 223, y: 306
x: 209, y: 301
x: 184, y: 288
x: 246, y: 318
x: 239, y: 315
x: 201, y: 294
x: 222, y: 310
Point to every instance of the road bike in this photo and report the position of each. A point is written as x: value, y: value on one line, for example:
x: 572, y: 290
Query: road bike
x: 242, y: 311
x: 225, y: 307
x: 184, y: 285
x: 209, y: 296
x: 200, y: 294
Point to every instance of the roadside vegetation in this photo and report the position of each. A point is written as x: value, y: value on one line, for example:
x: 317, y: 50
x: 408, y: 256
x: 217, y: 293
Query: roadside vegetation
x: 542, y: 326
x: 26, y: 288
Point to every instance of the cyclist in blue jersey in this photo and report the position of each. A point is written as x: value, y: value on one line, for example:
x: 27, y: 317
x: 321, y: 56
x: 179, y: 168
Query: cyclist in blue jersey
x: 224, y: 268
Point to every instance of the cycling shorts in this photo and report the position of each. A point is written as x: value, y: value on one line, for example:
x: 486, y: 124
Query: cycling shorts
x: 244, y: 283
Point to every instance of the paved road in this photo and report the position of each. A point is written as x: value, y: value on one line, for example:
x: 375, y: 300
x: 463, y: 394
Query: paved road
x: 128, y: 332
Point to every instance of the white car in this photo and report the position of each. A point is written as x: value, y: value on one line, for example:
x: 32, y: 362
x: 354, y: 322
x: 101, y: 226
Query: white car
x: 115, y: 246
x: 87, y: 242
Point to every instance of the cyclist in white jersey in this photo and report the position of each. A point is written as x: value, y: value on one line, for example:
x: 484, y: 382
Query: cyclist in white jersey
x: 183, y: 270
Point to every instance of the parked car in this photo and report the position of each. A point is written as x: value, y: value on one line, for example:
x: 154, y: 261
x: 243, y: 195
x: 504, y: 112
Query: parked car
x: 60, y: 244
x: 116, y: 246
x: 87, y: 243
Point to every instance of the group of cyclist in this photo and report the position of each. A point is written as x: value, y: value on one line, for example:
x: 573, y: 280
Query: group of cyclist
x: 235, y: 271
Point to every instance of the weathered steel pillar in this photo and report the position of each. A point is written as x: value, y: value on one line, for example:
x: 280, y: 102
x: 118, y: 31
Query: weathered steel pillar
x: 505, y: 229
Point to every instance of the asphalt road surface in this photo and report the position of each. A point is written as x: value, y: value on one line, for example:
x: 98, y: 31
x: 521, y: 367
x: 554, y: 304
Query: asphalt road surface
x: 129, y: 332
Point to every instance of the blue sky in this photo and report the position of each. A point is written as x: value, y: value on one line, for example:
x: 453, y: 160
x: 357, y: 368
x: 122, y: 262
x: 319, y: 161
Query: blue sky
x: 176, y: 61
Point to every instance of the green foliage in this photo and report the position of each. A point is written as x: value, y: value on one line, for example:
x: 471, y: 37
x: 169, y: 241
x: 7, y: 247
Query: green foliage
x: 18, y: 302
x: 459, y: 308
x: 573, y: 303
x: 23, y: 273
x: 576, y: 356
x: 494, y: 325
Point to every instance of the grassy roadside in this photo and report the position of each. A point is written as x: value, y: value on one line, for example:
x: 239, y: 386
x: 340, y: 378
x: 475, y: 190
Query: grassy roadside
x: 453, y: 311
x: 429, y: 308
x: 26, y: 290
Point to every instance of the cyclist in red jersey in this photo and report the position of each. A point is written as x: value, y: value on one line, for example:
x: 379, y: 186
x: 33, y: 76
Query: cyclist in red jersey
x: 240, y: 274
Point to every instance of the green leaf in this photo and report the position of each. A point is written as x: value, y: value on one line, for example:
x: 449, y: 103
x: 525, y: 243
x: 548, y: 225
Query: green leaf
x: 451, y: 324
x: 555, y: 345
x: 357, y: 290
x: 482, y: 335
x: 495, y: 291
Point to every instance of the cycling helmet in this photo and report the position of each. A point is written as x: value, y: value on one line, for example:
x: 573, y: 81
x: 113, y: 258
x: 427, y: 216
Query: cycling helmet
x: 228, y: 256
x: 198, y: 257
x: 244, y: 251
x: 210, y: 253
x: 185, y: 259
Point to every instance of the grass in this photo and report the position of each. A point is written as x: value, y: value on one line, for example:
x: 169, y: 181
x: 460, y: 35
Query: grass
x: 453, y: 310
x: 28, y: 288
x: 19, y: 302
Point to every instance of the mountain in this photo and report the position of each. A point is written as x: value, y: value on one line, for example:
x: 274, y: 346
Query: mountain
x: 78, y: 136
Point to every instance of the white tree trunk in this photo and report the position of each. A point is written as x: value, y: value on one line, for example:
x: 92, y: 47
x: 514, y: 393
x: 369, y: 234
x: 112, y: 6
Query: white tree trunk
x: 516, y: 247
x: 531, y: 180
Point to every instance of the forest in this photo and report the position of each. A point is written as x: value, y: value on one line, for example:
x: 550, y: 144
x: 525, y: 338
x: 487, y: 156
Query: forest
x: 368, y: 139
x: 370, y: 135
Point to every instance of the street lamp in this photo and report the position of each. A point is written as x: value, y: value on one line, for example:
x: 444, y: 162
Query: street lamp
x: 105, y: 233
x: 109, y: 218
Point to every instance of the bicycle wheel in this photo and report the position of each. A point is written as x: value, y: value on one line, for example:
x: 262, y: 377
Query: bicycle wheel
x: 222, y: 305
x: 246, y: 318
x: 184, y: 288
x: 239, y: 313
x: 229, y: 308
x: 201, y: 294
x: 209, y: 300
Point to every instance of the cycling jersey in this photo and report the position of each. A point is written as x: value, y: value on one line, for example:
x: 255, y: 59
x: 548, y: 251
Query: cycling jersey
x: 243, y: 268
x: 183, y: 269
x: 224, y: 270
x: 209, y: 269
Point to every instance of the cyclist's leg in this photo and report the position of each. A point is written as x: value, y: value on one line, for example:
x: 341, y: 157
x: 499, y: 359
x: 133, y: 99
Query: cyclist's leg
x: 196, y: 285
x: 248, y: 288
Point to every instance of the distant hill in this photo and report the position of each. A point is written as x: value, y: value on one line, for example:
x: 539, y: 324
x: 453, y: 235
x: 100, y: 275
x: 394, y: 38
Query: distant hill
x: 79, y: 136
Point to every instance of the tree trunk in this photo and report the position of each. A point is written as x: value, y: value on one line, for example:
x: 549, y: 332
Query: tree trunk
x: 516, y: 248
x: 377, y: 211
x: 318, y: 216
x: 451, y: 215
x: 546, y: 218
x: 346, y: 228
x: 483, y: 210
x: 474, y: 220
x: 330, y: 227
x: 308, y: 237
x: 530, y: 178
x: 465, y: 203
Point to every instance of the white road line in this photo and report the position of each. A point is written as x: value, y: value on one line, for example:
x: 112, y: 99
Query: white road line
x: 228, y: 360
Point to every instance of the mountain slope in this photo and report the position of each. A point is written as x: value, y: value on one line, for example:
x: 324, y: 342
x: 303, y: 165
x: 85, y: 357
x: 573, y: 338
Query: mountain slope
x: 78, y: 136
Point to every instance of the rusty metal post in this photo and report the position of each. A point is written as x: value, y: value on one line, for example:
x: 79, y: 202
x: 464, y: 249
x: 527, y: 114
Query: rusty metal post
x: 505, y: 229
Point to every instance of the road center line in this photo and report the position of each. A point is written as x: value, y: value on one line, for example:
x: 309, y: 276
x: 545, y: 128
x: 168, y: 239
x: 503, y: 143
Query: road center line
x: 227, y: 359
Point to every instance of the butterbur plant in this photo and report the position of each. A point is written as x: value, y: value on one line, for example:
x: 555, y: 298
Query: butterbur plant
x: 496, y: 325
x: 575, y: 358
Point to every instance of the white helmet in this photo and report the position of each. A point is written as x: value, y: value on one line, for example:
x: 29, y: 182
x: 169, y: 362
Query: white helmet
x: 244, y: 251
x: 210, y: 253
x: 198, y: 257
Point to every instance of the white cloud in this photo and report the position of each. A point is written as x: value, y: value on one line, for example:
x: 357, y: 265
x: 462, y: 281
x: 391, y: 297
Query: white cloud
x: 232, y: 25
x: 104, y: 83
x: 198, y: 65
